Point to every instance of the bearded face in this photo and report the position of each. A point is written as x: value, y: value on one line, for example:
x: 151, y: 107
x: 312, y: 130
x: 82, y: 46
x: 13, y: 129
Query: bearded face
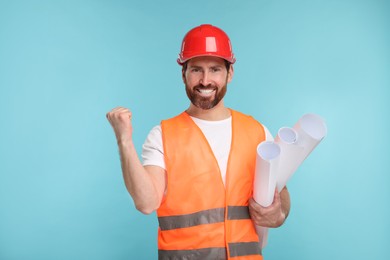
x: 205, y: 97
x: 206, y: 80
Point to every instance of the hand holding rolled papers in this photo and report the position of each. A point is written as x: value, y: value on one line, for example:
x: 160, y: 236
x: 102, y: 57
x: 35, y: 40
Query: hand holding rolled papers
x: 277, y: 160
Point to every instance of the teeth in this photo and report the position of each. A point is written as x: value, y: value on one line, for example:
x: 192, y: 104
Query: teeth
x: 206, y: 91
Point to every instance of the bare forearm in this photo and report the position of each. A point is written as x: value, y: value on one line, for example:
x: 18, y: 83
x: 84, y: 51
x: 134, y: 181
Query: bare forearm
x: 145, y: 186
x: 137, y: 180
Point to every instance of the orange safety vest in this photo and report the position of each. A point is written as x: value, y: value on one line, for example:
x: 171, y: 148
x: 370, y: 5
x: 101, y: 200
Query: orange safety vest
x: 199, y: 217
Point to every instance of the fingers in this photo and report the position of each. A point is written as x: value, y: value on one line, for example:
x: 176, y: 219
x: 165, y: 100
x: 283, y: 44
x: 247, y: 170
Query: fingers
x: 254, y: 205
x: 257, y: 207
x: 276, y: 196
x: 120, y: 120
x: 119, y: 113
x: 255, y: 211
x: 119, y: 110
x: 266, y: 216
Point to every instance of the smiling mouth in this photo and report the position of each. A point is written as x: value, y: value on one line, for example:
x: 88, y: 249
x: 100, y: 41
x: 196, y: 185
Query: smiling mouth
x: 205, y: 92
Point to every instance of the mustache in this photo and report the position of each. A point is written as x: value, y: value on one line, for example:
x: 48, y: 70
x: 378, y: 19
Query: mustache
x: 201, y: 86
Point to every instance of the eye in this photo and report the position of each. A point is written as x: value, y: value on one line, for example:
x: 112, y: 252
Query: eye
x: 215, y: 69
x: 195, y: 69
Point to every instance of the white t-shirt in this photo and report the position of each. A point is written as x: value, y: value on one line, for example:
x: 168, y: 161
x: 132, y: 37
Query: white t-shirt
x: 217, y: 133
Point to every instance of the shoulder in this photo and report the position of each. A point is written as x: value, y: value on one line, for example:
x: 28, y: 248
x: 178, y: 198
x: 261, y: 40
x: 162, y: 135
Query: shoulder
x: 155, y: 133
x: 173, y: 120
x: 154, y: 139
x: 246, y: 119
x: 254, y: 123
x: 152, y: 149
x: 175, y: 124
x: 176, y: 117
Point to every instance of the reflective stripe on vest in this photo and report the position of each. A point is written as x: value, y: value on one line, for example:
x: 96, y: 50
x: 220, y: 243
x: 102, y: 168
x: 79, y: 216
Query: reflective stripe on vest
x: 216, y: 253
x: 244, y: 248
x: 203, y: 217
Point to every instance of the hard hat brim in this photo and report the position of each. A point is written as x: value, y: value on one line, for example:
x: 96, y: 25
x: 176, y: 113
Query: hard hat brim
x: 181, y: 61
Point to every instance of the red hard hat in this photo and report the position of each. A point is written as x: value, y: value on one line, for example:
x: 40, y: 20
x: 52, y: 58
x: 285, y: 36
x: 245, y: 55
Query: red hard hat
x: 206, y: 40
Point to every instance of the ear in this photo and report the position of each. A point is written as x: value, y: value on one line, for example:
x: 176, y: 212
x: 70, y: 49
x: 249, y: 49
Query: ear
x: 183, y: 76
x: 230, y: 73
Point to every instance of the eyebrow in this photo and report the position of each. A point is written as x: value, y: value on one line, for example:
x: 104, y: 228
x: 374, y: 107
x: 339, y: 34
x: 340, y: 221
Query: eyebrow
x: 194, y: 66
x: 200, y: 67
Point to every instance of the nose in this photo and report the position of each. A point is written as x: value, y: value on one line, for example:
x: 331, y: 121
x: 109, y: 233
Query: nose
x: 205, y: 79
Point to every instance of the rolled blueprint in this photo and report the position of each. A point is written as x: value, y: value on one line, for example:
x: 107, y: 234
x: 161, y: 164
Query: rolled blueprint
x: 311, y: 129
x: 296, y: 144
x: 267, y: 160
x: 277, y: 161
x: 286, y: 139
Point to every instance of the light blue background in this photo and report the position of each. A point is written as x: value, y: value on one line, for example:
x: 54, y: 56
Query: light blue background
x: 64, y: 64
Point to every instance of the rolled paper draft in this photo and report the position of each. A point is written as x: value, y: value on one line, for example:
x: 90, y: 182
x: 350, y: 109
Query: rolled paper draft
x: 277, y: 161
x: 267, y: 160
x: 297, y: 143
x: 290, y: 155
x: 262, y: 233
x: 311, y: 129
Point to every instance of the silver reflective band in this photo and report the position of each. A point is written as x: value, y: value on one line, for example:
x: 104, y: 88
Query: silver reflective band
x: 238, y: 212
x: 244, y: 248
x: 194, y: 219
x: 203, y: 217
x: 214, y: 253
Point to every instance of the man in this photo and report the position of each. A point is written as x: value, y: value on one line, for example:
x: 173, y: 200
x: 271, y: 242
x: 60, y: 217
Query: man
x: 198, y: 167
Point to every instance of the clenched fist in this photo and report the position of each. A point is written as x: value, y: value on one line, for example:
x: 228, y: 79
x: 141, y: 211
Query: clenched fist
x: 120, y: 120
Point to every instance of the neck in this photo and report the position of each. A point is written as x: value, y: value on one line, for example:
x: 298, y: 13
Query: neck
x: 219, y: 112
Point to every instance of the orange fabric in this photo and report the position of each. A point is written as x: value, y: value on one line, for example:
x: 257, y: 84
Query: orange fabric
x: 194, y: 182
x: 175, y: 239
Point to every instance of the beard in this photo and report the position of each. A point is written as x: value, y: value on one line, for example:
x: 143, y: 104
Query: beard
x: 205, y: 102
